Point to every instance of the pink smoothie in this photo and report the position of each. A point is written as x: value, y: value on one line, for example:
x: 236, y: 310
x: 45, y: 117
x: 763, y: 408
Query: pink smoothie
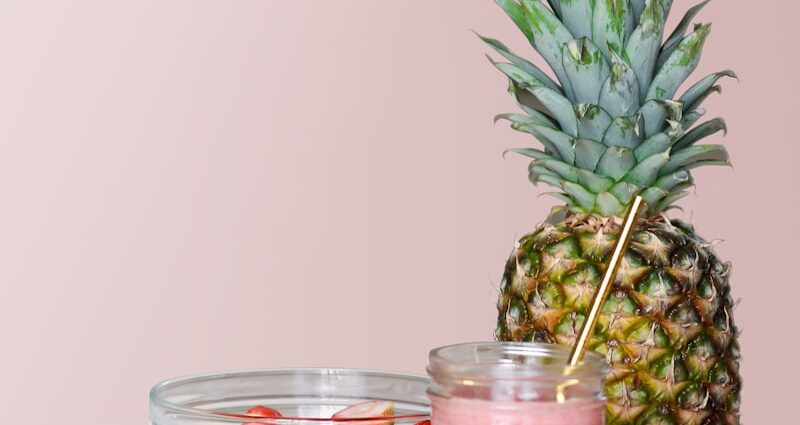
x: 459, y: 411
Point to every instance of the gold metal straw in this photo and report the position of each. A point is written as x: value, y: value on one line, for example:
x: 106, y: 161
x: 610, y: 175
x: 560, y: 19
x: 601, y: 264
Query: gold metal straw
x: 601, y: 295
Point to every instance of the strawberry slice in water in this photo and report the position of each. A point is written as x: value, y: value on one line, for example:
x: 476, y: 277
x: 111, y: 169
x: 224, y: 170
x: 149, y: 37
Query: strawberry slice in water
x: 261, y: 412
x: 368, y: 409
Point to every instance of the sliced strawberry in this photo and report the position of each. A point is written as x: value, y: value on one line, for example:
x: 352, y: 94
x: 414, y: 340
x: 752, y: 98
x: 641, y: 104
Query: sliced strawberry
x: 368, y: 409
x: 423, y: 423
x: 261, y: 412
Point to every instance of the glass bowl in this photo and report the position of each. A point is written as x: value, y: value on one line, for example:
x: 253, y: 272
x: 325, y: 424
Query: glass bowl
x: 303, y: 396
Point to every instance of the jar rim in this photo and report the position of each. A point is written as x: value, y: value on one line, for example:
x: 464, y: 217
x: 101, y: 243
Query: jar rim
x: 157, y: 399
x: 482, y: 362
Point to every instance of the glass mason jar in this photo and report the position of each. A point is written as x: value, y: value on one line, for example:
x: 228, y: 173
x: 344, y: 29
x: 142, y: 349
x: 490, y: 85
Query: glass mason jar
x: 515, y: 384
x: 303, y: 396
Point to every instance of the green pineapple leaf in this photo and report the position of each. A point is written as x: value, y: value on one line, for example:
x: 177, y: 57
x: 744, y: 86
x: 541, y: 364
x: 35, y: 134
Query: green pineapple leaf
x: 702, y: 131
x: 653, y: 195
x: 549, y: 35
x: 588, y: 153
x: 563, y: 170
x: 637, y: 7
x: 586, y: 68
x: 612, y: 23
x: 594, y: 182
x: 680, y: 64
x: 625, y: 132
x: 530, y: 104
x: 675, y: 38
x: 517, y: 14
x: 692, y: 117
x: 580, y: 195
x: 553, y: 140
x: 609, y: 205
x: 577, y: 17
x: 669, y: 182
x: 522, y: 78
x: 620, y: 92
x: 657, y: 112
x: 625, y: 191
x: 529, y: 152
x: 657, y: 143
x: 695, y: 156
x: 556, y: 6
x: 538, y: 174
x: 645, y: 42
x: 520, y: 119
x: 669, y: 200
x: 523, y: 64
x: 558, y: 107
x: 563, y: 197
x: 646, y: 172
x: 616, y: 162
x: 696, y: 94
x: 593, y: 121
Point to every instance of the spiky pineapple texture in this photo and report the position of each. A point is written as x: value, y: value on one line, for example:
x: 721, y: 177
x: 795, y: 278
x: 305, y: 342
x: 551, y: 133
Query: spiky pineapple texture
x: 610, y: 126
x: 667, y: 329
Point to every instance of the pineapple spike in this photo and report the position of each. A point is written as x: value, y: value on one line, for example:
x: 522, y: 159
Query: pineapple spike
x: 676, y: 36
x: 521, y: 63
x: 681, y: 63
x: 702, y: 131
x: 695, y: 95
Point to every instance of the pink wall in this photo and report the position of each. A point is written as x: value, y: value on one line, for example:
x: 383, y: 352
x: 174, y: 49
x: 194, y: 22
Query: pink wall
x: 196, y: 185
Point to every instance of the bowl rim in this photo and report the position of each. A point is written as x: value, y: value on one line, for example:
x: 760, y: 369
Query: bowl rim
x: 157, y: 400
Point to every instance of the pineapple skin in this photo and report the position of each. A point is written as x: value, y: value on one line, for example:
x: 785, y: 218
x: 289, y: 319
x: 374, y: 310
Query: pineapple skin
x: 667, y: 328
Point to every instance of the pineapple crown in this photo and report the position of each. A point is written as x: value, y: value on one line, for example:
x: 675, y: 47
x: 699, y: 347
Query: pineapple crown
x: 610, y: 126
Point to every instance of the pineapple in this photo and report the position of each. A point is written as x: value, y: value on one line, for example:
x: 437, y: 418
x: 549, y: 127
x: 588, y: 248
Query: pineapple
x: 612, y: 127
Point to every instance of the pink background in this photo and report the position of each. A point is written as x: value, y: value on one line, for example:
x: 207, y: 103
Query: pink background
x: 192, y: 186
